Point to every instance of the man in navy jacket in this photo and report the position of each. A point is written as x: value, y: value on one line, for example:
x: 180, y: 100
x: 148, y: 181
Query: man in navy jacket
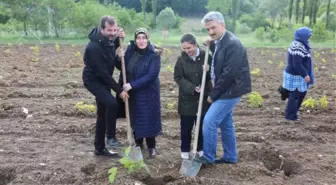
x: 100, y: 59
x: 230, y: 73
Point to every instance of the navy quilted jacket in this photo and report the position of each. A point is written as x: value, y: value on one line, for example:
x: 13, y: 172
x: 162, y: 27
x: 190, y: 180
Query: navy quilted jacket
x: 145, y: 113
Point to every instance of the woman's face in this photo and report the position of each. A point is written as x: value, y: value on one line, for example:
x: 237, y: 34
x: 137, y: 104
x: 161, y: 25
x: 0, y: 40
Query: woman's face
x: 190, y: 49
x: 141, y: 41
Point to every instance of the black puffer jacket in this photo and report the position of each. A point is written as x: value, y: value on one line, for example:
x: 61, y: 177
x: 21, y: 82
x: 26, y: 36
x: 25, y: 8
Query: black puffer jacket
x: 100, y: 60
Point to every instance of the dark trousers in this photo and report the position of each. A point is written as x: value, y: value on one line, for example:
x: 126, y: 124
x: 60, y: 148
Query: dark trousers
x: 106, y: 113
x: 294, y: 103
x: 150, y: 142
x: 187, y: 123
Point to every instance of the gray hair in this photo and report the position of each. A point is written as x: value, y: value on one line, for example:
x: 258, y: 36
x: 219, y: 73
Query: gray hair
x: 213, y: 16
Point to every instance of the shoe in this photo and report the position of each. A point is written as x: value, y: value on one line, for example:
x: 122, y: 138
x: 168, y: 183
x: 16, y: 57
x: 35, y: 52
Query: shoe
x: 151, y: 153
x: 139, y: 145
x: 200, y: 153
x: 113, y: 142
x: 222, y: 161
x: 202, y: 160
x: 105, y: 152
x: 185, y: 155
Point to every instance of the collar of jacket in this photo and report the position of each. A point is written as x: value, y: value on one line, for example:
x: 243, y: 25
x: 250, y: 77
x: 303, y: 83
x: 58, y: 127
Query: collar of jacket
x: 223, y: 40
x: 187, y: 57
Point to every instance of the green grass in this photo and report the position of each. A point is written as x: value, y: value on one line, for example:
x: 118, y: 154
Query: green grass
x: 173, y: 39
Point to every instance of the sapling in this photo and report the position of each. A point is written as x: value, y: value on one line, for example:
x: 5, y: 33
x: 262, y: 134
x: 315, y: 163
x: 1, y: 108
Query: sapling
x: 281, y: 65
x: 85, y: 107
x: 256, y: 72
x: 309, y: 103
x: 255, y: 99
x: 112, y: 174
x: 77, y: 54
x: 324, y: 102
x: 270, y: 61
x: 57, y: 47
x: 170, y: 68
x: 170, y: 105
x: 324, y: 61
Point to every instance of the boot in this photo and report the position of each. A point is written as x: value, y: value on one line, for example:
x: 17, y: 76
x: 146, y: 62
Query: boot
x: 151, y: 153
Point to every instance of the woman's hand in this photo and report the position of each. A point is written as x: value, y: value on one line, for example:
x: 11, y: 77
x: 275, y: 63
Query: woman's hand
x: 307, y: 79
x: 127, y: 87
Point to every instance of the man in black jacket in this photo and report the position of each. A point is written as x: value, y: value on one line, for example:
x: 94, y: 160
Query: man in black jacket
x: 230, y: 73
x: 100, y: 59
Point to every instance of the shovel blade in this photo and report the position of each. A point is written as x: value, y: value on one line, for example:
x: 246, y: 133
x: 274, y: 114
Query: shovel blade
x: 135, y: 154
x: 190, y: 168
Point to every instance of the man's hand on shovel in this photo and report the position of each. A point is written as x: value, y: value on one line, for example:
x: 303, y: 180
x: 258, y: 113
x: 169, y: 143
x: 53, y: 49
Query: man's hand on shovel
x: 124, y: 95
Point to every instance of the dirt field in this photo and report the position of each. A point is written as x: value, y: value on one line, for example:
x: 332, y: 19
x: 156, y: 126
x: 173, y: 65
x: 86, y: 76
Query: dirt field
x: 55, y: 144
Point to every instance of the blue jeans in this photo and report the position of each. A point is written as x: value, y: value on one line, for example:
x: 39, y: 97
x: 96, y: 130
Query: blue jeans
x: 219, y: 115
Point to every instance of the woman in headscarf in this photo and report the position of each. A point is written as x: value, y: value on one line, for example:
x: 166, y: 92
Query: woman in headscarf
x: 298, y: 75
x: 142, y: 63
x: 188, y: 75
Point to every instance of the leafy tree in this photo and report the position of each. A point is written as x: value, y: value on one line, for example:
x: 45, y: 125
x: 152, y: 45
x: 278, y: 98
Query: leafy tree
x: 166, y: 18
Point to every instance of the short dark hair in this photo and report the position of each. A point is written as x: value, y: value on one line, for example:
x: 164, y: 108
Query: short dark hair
x: 107, y: 19
x: 190, y: 38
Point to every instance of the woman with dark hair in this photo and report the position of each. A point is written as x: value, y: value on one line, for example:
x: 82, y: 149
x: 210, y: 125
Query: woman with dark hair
x: 188, y: 75
x: 298, y: 75
x: 142, y: 63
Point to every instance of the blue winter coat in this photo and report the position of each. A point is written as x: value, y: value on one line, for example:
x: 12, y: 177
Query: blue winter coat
x: 144, y: 101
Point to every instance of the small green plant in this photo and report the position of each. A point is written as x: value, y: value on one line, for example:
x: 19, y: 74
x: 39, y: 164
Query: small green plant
x: 35, y: 49
x: 324, y: 61
x: 316, y: 68
x: 77, y: 54
x: 324, y: 102
x: 333, y: 76
x: 57, y: 47
x: 85, y: 107
x: 9, y: 44
x: 256, y: 72
x: 274, y: 54
x: 282, y: 65
x: 170, y: 105
x: 270, y: 61
x: 309, y: 103
x: 132, y: 165
x: 255, y: 99
x: 73, y: 45
x: 317, y: 55
x: 170, y: 68
x: 112, y: 174
x: 35, y: 59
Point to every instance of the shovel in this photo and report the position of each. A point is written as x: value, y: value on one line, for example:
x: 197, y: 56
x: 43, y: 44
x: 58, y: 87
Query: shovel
x: 134, y: 153
x: 191, y: 167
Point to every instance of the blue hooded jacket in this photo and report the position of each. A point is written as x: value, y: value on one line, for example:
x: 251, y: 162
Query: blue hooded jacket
x: 299, y: 60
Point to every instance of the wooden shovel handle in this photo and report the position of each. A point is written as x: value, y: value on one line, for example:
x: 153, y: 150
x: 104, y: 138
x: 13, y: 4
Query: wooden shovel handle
x: 200, y: 103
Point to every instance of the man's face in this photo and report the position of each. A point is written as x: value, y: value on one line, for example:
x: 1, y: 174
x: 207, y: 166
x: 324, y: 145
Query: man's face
x: 215, y: 29
x: 110, y: 31
x: 190, y: 49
